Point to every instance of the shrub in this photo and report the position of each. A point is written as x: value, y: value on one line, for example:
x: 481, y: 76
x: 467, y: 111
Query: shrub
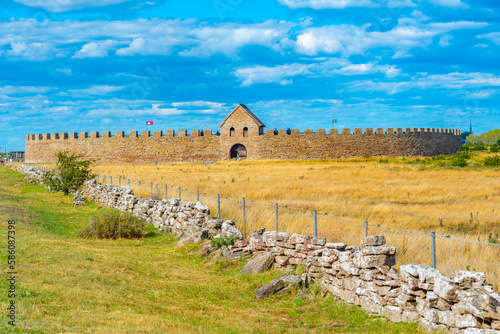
x: 113, y: 224
x: 478, y: 147
x: 223, y: 240
x: 462, y: 154
x: 493, y: 161
x: 494, y: 148
x: 69, y: 173
x: 459, y: 161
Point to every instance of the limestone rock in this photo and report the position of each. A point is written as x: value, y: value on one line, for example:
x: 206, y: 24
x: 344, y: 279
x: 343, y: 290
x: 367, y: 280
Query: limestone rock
x: 378, y: 250
x: 372, y: 261
x: 374, y: 240
x: 271, y: 237
x: 279, y: 285
x: 445, y: 288
x: 199, y: 207
x: 257, y: 231
x: 318, y: 241
x: 258, y: 264
x: 270, y: 288
x: 338, y: 246
x: 299, y: 239
x: 228, y: 230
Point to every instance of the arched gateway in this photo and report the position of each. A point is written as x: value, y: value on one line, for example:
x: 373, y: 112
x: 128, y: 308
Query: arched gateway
x: 238, y: 150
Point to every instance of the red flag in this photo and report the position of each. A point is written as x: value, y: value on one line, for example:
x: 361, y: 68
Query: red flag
x: 149, y: 122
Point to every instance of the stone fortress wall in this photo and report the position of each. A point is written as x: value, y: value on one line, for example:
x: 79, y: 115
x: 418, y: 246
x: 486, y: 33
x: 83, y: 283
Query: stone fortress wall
x: 242, y: 128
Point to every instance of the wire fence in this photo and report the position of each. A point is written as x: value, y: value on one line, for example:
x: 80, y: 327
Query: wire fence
x: 445, y: 253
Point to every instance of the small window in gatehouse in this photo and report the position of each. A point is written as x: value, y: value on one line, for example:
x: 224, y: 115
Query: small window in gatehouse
x: 231, y: 132
x: 245, y: 132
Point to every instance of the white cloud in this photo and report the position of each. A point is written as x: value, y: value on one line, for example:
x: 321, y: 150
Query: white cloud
x: 31, y: 51
x: 64, y: 70
x: 263, y: 74
x: 94, y: 50
x: 11, y: 90
x: 482, y: 94
x: 449, y: 3
x: 453, y: 81
x: 58, y: 6
x: 311, y: 43
x: 493, y: 36
x: 147, y: 36
x: 401, y: 54
x: 481, y: 45
x: 229, y: 38
x: 199, y: 104
x: 349, y: 39
x: 95, y: 90
x: 197, y: 39
x: 445, y: 40
x: 341, y: 4
x: 155, y: 110
x: 282, y: 73
x: 143, y: 46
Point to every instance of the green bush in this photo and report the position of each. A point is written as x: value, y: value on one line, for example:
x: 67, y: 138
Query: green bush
x: 493, y: 161
x: 223, y: 240
x: 113, y: 224
x: 69, y: 173
x: 459, y: 162
x: 494, y: 148
x: 459, y: 159
x: 478, y: 147
x: 462, y: 154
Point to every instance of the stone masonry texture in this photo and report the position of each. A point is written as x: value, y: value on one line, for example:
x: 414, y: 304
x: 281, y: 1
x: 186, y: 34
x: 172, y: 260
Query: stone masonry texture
x: 171, y: 146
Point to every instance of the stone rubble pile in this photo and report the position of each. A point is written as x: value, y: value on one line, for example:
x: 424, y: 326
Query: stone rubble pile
x: 30, y: 173
x: 364, y: 276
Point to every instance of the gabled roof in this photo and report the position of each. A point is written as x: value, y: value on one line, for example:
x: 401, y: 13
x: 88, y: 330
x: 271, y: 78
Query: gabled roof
x: 244, y: 107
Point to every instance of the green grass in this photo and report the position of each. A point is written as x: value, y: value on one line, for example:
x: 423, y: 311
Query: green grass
x: 74, y: 285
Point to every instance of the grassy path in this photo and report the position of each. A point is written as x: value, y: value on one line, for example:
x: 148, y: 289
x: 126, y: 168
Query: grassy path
x: 66, y: 284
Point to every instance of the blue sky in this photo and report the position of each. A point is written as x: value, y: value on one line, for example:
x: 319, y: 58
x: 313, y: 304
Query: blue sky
x: 110, y: 65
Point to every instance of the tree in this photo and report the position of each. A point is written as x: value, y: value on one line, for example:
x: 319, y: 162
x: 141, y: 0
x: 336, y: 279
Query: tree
x: 488, y: 138
x: 69, y: 173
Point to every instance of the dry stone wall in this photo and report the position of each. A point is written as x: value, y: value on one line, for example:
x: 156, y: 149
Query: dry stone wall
x: 360, y: 275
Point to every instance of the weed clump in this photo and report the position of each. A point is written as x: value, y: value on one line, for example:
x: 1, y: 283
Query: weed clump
x: 223, y: 240
x: 113, y: 224
x: 493, y: 161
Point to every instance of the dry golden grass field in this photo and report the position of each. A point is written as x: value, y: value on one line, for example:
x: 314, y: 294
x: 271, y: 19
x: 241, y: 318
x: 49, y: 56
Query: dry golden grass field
x: 460, y: 202
x: 392, y: 194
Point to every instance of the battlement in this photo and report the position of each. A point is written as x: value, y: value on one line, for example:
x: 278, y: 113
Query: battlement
x: 210, y: 133
x: 356, y: 131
